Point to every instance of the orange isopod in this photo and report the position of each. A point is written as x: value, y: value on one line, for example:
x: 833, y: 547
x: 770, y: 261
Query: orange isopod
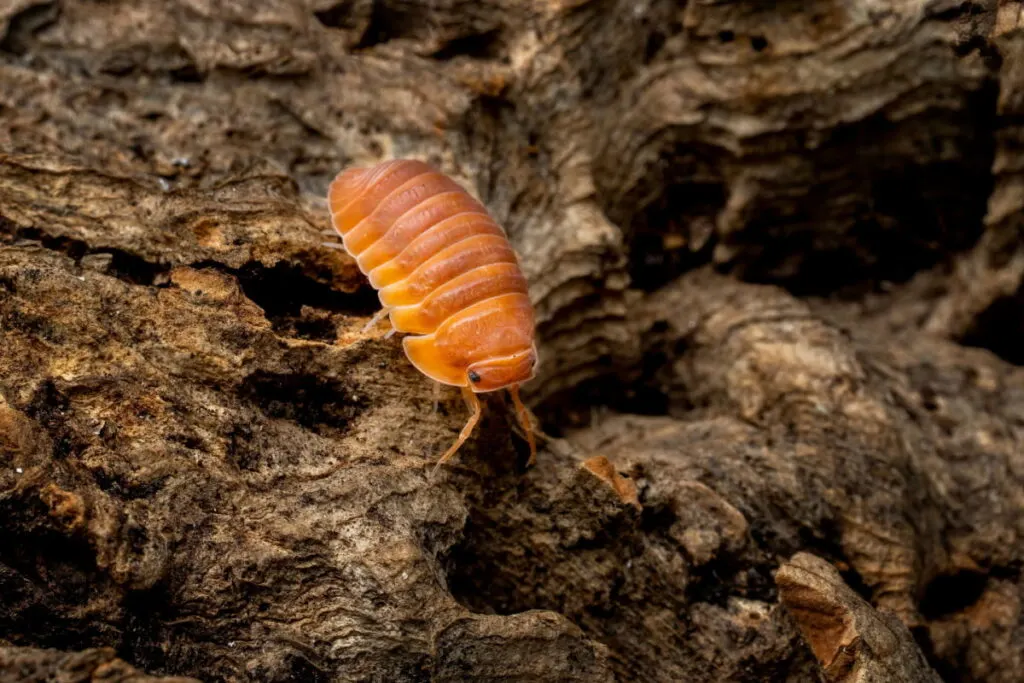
x: 445, y: 273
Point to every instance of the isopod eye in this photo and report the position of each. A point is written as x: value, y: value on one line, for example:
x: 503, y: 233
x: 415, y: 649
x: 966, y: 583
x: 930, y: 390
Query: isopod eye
x: 473, y: 376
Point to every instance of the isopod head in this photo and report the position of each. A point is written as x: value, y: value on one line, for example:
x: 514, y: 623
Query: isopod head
x: 491, y: 341
x: 498, y: 373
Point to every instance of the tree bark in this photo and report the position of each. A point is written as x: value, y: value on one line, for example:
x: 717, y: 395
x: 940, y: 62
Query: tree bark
x: 776, y: 253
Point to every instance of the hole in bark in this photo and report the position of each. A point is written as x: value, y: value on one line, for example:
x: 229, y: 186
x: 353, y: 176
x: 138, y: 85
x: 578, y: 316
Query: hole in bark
x: 915, y: 215
x: 385, y: 25
x: 74, y: 249
x: 123, y: 265
x: 853, y: 579
x: 132, y: 268
x: 960, y: 10
x: 715, y: 582
x: 980, y: 44
x: 637, y: 396
x: 282, y: 291
x: 323, y: 330
x: 657, y: 518
x: 655, y: 42
x: 188, y: 73
x: 485, y: 45
x: 1000, y: 329
x: 758, y: 43
x: 301, y: 669
x: 669, y: 214
x: 673, y: 234
x: 726, y: 36
x: 145, y: 633
x: 951, y: 593
x: 325, y: 407
x: 929, y: 399
x: 335, y: 16
x: 23, y: 25
x: 920, y: 197
x: 49, y: 584
x: 822, y: 540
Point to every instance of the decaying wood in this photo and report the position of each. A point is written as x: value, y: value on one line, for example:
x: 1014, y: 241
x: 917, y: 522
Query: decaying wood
x: 853, y: 642
x: 97, y: 665
x: 776, y: 254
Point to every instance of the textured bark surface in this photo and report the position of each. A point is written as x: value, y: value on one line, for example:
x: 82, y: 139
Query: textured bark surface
x: 98, y: 665
x: 776, y: 251
x: 853, y: 642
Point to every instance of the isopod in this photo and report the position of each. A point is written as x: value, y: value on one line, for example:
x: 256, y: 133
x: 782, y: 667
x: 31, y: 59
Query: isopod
x: 446, y: 275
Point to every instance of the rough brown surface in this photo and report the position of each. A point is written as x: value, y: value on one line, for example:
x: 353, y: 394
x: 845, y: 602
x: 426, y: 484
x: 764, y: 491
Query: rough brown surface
x: 776, y: 254
x: 853, y: 642
x: 97, y: 665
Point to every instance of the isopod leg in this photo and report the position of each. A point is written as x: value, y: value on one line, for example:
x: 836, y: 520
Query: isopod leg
x: 524, y: 420
x: 537, y: 431
x: 378, y: 316
x: 474, y: 403
x: 470, y: 398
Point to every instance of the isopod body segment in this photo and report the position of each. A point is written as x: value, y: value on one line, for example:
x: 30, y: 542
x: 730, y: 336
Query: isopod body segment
x: 445, y: 274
